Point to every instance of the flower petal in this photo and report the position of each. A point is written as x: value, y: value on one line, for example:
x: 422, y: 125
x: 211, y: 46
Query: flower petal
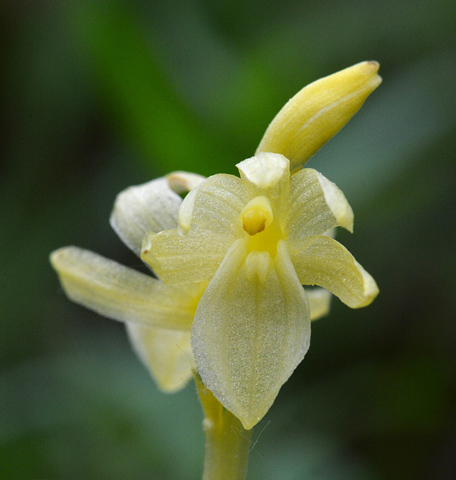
x: 265, y: 170
x: 315, y: 206
x: 121, y: 293
x: 319, y: 111
x: 178, y: 258
x: 325, y: 262
x: 215, y: 206
x: 166, y: 353
x: 209, y: 222
x: 152, y: 206
x: 183, y: 182
x: 251, y: 330
x: 269, y: 175
x: 319, y: 302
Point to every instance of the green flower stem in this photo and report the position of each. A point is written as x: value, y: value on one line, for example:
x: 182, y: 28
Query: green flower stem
x: 227, y: 443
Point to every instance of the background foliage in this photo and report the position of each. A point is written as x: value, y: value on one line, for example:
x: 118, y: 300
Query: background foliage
x: 97, y: 96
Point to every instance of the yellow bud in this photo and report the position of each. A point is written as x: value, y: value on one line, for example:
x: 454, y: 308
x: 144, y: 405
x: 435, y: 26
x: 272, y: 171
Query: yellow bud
x: 317, y: 112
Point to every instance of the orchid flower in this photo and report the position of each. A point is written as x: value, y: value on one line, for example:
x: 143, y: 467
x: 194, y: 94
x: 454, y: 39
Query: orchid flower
x: 231, y: 258
x: 255, y: 240
x: 158, y: 317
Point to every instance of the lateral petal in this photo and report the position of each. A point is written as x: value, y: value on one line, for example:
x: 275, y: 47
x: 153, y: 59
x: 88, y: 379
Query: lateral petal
x: 322, y: 261
x: 121, y: 293
x: 166, y: 353
x: 152, y: 206
x: 319, y: 111
x: 179, y: 258
x: 251, y: 330
x: 315, y: 206
x: 215, y: 206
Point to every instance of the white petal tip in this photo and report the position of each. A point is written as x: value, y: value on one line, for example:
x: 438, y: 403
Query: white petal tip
x: 337, y: 202
x: 371, y: 293
x: 183, y: 182
x: 370, y: 289
x: 265, y: 169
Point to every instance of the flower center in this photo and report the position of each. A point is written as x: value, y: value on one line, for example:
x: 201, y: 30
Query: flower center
x: 262, y: 225
x: 257, y: 215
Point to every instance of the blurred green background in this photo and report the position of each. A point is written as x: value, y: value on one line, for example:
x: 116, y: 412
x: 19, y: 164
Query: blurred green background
x: 98, y: 96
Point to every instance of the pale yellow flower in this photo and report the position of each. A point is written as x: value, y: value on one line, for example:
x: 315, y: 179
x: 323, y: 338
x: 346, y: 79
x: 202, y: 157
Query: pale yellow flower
x: 257, y: 239
x: 158, y: 317
x: 271, y: 244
